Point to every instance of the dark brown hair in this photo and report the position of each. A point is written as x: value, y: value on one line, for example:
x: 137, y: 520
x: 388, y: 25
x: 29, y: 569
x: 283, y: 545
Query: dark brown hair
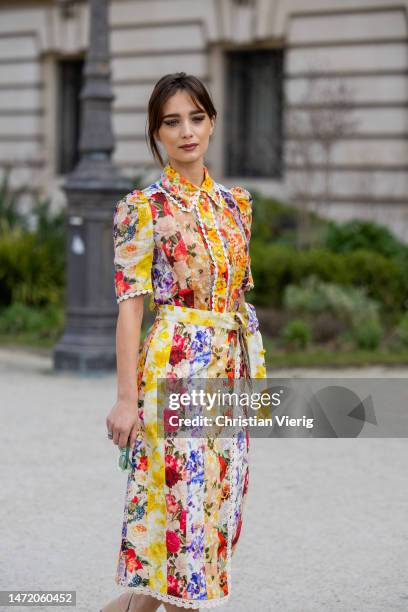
x: 163, y: 90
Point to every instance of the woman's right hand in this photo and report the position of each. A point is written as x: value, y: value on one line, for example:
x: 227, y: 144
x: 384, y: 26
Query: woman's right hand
x: 124, y: 423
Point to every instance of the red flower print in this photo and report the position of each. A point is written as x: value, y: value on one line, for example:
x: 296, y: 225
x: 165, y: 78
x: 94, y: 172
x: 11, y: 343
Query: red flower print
x: 172, y: 541
x: 180, y: 251
x: 172, y: 504
x: 170, y: 426
x: 172, y: 471
x: 154, y: 211
x: 178, y: 352
x: 183, y: 521
x: 222, y: 545
x: 171, y: 461
x: 121, y: 284
x: 131, y: 560
x: 173, y: 586
x: 166, y: 207
x: 167, y: 249
x: 172, y: 477
x: 188, y: 297
x: 224, y: 583
x: 238, y: 531
x: 223, y: 467
x: 135, y: 499
x: 225, y: 490
x: 246, y: 482
x: 142, y: 465
x: 179, y: 341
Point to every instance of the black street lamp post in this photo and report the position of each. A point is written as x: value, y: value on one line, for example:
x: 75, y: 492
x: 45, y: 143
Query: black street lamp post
x: 88, y: 342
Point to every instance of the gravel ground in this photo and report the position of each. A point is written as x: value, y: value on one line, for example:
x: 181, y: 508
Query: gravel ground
x: 325, y: 522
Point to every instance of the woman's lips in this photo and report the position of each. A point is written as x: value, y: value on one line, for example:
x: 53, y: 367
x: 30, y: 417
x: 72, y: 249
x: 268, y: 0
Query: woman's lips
x: 189, y: 147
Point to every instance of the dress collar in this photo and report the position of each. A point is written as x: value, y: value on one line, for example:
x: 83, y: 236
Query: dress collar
x: 183, y: 189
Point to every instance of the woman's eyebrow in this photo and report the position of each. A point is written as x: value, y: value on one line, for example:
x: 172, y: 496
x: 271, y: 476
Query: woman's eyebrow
x: 194, y: 112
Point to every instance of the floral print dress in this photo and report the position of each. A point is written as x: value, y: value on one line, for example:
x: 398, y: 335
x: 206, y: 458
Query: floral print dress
x: 188, y: 247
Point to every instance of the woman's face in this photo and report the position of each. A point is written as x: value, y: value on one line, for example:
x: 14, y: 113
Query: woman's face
x: 182, y: 124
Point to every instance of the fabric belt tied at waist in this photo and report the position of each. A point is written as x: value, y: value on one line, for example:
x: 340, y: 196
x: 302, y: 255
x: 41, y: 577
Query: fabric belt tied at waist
x: 243, y: 320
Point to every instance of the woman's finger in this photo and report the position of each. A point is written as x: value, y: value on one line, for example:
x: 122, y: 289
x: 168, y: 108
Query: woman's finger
x: 123, y: 438
x: 118, y: 433
x: 133, y: 434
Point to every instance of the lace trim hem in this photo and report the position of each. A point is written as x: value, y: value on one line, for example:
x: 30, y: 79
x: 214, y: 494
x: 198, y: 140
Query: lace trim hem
x: 181, y: 603
x: 133, y: 294
x: 231, y: 518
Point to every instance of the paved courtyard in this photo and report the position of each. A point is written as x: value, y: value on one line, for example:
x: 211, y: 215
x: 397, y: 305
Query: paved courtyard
x: 326, y: 519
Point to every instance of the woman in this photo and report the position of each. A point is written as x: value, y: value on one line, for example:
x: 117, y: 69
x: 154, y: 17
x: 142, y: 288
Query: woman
x: 184, y: 240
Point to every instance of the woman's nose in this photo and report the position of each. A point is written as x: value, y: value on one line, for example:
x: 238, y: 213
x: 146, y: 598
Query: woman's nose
x: 186, y: 129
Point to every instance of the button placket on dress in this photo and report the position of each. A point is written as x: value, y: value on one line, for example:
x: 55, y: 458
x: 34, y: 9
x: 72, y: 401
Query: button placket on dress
x: 218, y: 253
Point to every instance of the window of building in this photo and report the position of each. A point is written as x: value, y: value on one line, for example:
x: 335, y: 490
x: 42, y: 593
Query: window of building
x: 253, y: 113
x: 70, y: 80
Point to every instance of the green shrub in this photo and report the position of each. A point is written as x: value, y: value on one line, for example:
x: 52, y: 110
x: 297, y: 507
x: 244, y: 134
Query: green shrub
x: 297, y: 333
x: 402, y: 329
x: 368, y: 334
x: 276, y: 266
x: 358, y: 234
x: 279, y: 222
x: 32, y: 263
x: 349, y: 304
x: 313, y: 297
x: 19, y: 318
x: 384, y: 279
x: 31, y: 271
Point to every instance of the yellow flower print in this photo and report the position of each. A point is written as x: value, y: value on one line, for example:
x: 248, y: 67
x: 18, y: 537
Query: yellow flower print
x: 161, y: 357
x: 157, y: 457
x: 150, y: 380
x: 153, y: 501
x: 164, y: 335
x: 157, y: 552
x: 144, y: 216
x: 158, y: 478
x: 260, y: 372
x: 151, y: 430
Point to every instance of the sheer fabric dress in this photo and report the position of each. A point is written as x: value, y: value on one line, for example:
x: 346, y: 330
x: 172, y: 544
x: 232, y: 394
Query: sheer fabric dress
x: 188, y: 247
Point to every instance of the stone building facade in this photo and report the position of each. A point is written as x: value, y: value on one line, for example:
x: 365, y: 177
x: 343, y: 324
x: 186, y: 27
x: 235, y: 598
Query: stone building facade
x: 312, y: 95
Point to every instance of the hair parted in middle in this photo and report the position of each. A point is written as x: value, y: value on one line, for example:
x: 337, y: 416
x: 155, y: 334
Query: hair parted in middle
x: 165, y: 87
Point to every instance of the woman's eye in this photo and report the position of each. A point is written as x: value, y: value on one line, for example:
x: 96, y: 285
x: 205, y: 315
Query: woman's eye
x: 174, y: 121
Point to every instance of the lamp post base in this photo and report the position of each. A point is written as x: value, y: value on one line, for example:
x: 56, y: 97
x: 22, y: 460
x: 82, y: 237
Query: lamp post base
x: 79, y: 356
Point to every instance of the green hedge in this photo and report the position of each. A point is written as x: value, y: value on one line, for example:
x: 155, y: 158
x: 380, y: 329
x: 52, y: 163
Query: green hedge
x: 32, y: 261
x: 31, y: 270
x: 357, y: 234
x: 275, y: 266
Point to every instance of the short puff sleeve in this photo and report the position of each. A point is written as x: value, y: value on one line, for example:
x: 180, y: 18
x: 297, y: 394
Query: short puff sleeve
x: 245, y: 201
x: 133, y: 245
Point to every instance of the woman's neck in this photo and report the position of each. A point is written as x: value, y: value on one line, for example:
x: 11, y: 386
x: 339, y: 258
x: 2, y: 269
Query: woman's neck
x: 193, y: 171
